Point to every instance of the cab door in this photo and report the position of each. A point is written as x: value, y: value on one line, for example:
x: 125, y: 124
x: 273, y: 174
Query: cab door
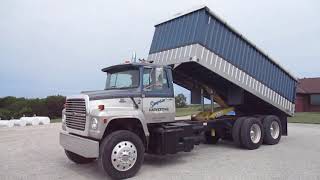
x: 158, y: 97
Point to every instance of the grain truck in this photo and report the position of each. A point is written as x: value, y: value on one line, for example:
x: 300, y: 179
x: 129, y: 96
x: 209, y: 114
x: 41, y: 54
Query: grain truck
x: 135, y: 113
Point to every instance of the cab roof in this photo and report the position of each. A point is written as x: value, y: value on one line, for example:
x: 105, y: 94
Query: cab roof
x: 130, y: 65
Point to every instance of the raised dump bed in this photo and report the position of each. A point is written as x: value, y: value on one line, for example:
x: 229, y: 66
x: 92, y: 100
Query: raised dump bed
x: 204, y: 50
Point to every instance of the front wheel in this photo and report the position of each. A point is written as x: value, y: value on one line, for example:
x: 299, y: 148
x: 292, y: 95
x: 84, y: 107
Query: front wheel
x: 77, y: 158
x: 121, y: 154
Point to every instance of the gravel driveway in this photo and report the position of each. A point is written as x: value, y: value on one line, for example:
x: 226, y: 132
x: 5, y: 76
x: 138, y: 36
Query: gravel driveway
x: 35, y: 153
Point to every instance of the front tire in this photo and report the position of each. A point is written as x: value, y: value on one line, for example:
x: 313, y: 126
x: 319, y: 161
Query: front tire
x: 272, y: 129
x: 252, y: 133
x: 121, y: 154
x: 77, y: 158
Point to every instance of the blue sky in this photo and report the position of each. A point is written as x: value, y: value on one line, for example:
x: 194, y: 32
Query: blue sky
x: 50, y: 47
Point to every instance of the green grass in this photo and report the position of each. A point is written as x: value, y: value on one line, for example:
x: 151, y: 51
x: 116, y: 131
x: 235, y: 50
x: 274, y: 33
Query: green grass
x: 55, y: 120
x: 186, y: 111
x: 301, y: 117
x: 190, y: 109
x: 305, y: 117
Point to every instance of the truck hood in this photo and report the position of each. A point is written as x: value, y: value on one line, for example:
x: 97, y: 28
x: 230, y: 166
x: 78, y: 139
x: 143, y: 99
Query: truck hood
x: 111, y: 94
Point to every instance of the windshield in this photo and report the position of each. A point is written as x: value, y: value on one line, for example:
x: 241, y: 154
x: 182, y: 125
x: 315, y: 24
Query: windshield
x: 123, y: 79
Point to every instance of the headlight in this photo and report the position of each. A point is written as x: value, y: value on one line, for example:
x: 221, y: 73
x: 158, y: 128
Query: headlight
x: 94, y: 123
x: 63, y: 122
x: 63, y: 118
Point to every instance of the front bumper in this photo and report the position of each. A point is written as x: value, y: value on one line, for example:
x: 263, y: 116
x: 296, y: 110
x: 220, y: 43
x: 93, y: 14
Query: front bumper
x: 84, y: 147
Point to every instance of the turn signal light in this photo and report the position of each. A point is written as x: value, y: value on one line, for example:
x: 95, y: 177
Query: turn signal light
x: 105, y: 121
x: 101, y: 107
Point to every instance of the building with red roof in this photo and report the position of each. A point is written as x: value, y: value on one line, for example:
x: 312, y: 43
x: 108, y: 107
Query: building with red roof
x: 308, y: 95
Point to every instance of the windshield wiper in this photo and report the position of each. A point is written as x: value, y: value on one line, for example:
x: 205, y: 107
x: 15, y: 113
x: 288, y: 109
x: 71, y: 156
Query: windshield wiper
x: 126, y: 87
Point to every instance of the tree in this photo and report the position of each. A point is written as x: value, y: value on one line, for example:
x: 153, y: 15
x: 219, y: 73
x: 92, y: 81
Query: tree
x: 181, y: 101
x: 6, y: 101
x: 5, y: 114
x: 55, y: 106
x: 25, y: 111
x: 39, y: 106
x: 12, y: 107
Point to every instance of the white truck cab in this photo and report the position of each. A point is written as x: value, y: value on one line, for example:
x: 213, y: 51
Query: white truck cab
x: 136, y: 96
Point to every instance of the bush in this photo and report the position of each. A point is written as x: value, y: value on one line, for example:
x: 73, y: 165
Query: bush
x: 5, y: 114
x: 12, y: 107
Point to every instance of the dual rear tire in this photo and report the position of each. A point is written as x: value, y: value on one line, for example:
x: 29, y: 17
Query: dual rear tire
x: 251, y: 132
x: 273, y: 130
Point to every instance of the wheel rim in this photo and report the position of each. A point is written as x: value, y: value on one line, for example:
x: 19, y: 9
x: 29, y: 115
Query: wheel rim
x: 124, y: 156
x: 274, y: 129
x: 255, y: 133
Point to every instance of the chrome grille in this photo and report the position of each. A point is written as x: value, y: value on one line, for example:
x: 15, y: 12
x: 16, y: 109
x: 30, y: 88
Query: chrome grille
x: 76, y: 114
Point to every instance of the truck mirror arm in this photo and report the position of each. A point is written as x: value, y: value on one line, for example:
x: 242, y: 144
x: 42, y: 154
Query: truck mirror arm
x: 134, y: 102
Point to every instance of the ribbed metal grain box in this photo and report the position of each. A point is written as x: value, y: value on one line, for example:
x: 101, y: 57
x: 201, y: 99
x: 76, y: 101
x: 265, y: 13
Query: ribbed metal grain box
x: 201, y: 34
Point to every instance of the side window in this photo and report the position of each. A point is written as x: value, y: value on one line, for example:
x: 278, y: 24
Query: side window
x: 155, y: 79
x: 165, y: 79
x: 315, y: 99
x: 146, y: 77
